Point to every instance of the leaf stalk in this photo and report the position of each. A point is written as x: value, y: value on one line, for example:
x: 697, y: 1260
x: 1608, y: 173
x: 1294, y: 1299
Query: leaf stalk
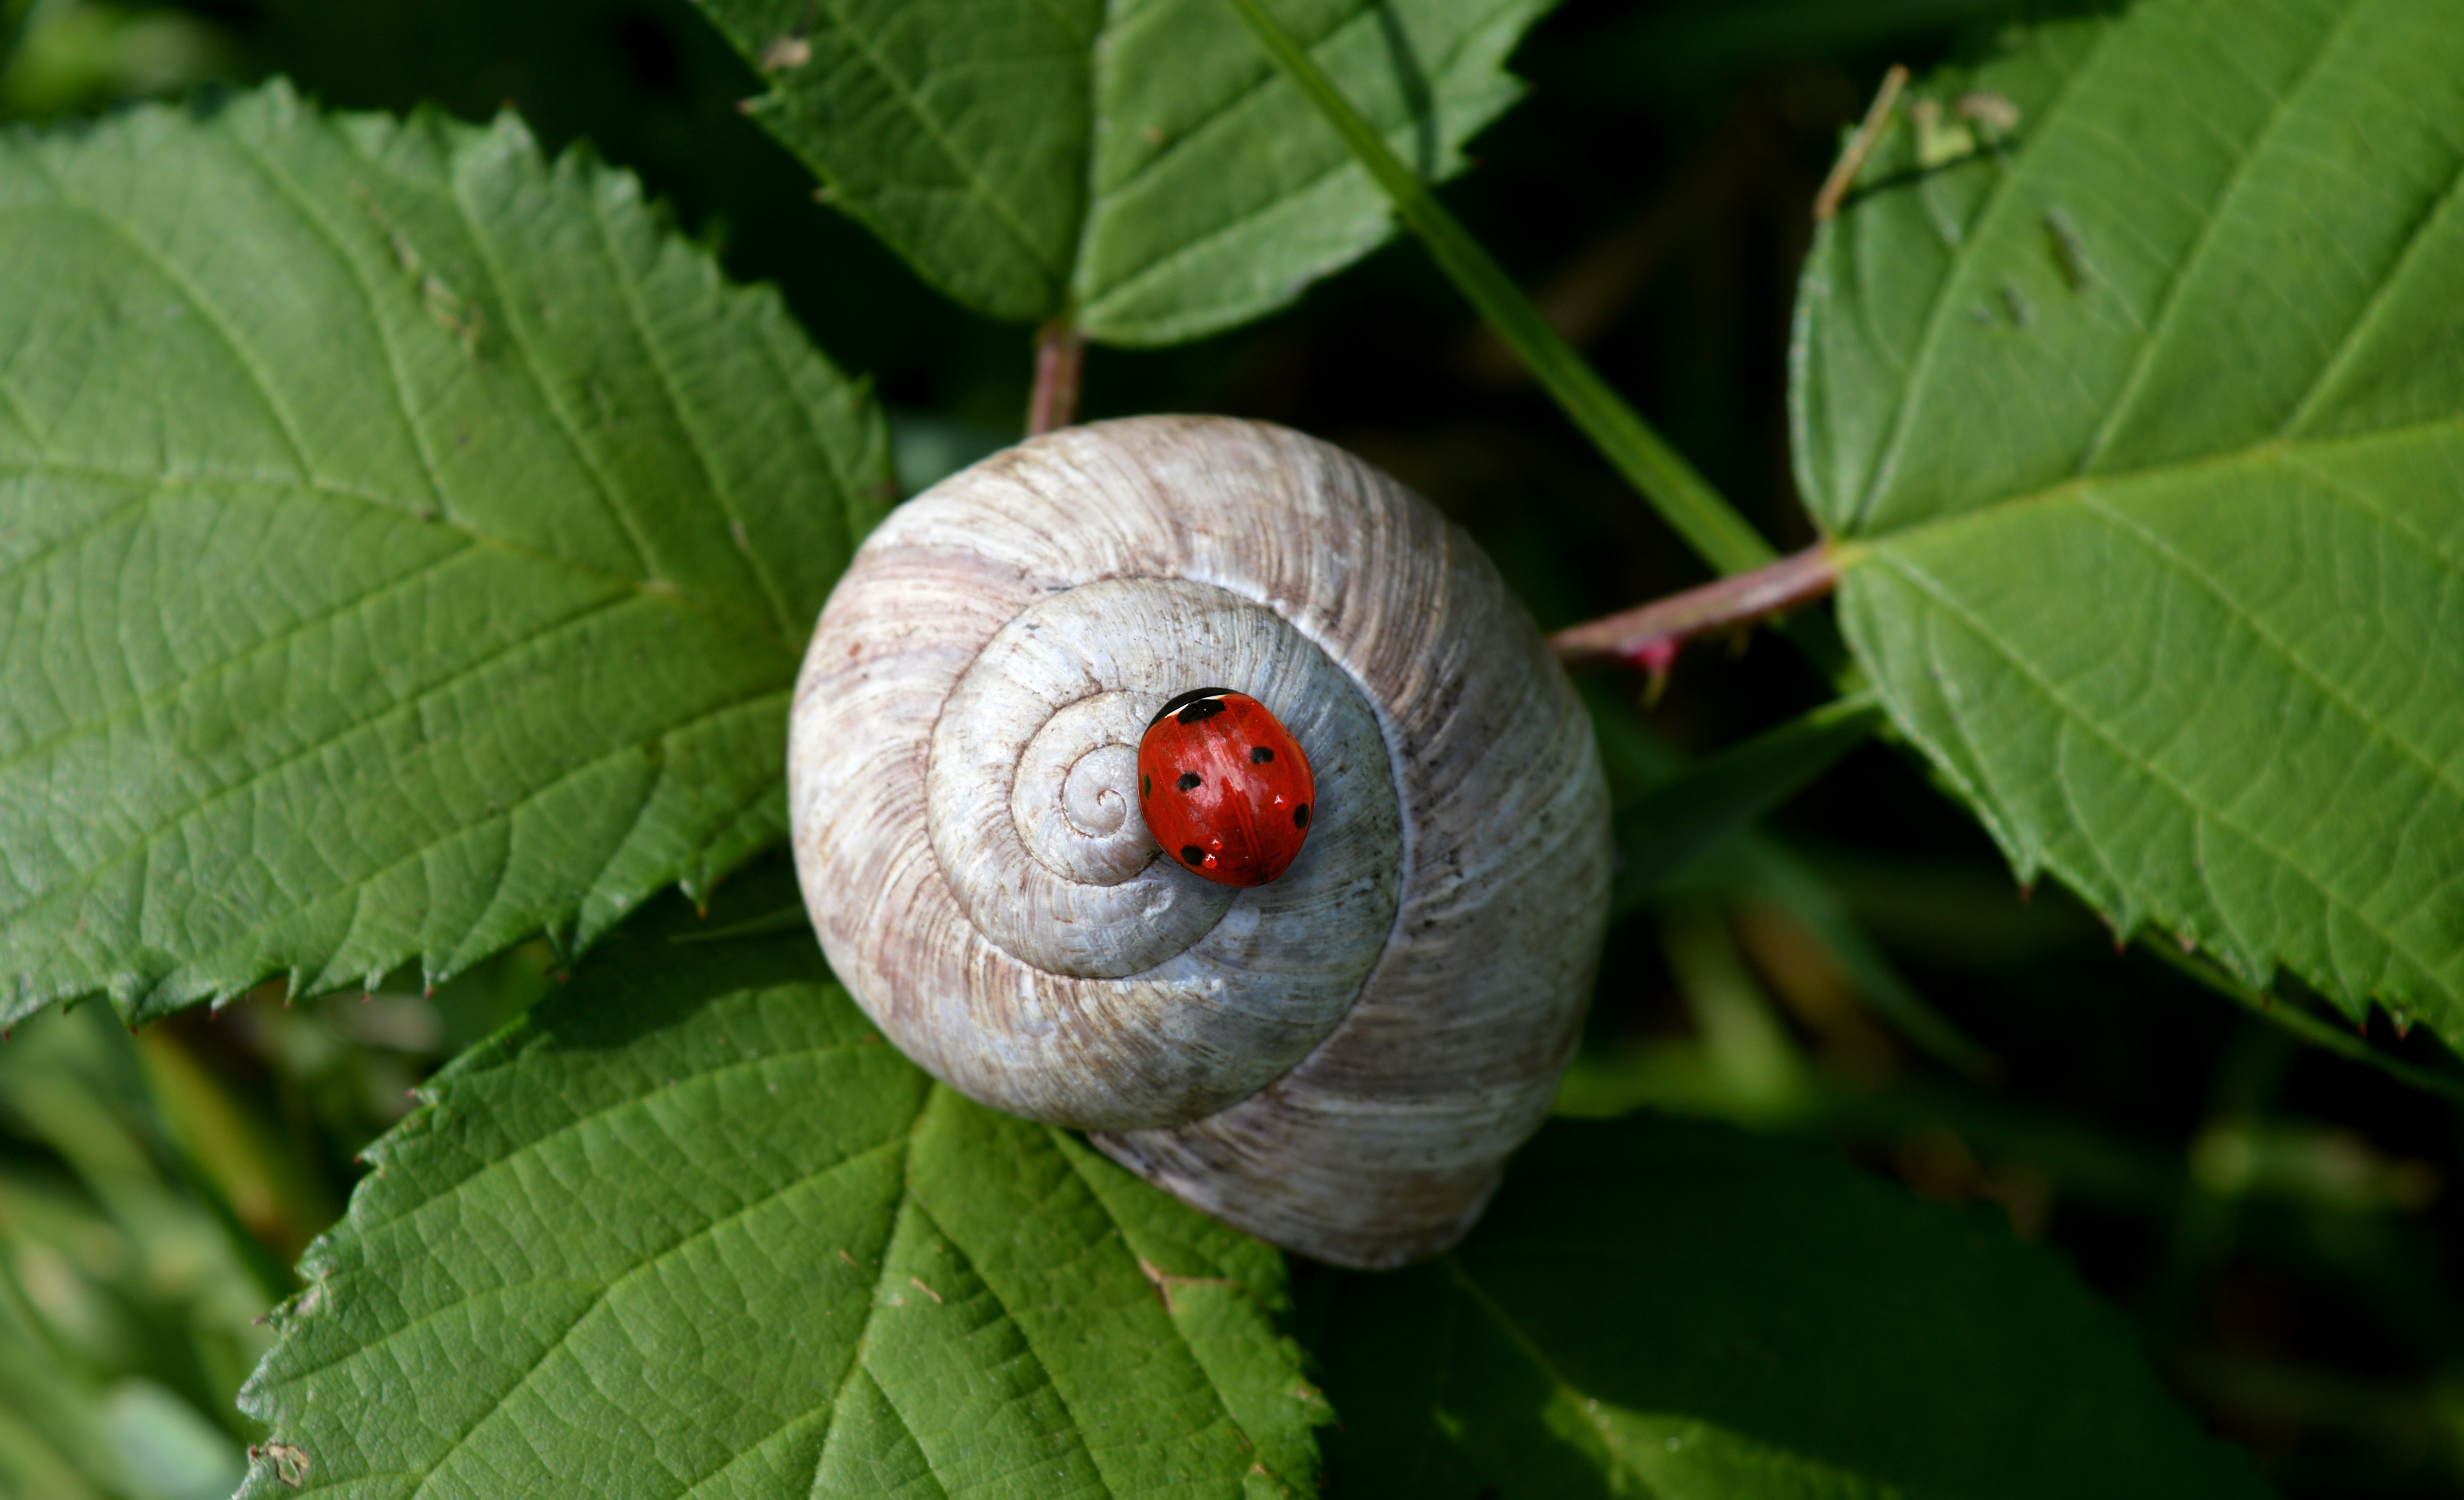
x: 1059, y: 359
x: 1650, y: 636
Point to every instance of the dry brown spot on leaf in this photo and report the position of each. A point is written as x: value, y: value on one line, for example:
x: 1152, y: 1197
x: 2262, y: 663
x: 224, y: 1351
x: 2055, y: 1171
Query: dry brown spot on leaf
x: 1163, y: 1281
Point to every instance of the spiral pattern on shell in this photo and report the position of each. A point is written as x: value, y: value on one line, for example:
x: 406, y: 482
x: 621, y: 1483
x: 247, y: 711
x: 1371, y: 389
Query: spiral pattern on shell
x: 1336, y: 1062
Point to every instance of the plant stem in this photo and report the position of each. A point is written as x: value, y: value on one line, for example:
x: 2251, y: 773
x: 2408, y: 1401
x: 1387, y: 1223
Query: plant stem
x: 1060, y: 354
x: 1651, y: 634
x: 1683, y: 498
x: 2325, y: 1035
x: 1705, y: 804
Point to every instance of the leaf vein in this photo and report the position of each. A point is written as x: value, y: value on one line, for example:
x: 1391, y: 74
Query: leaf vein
x: 368, y: 1235
x: 610, y: 1288
x: 259, y: 383
x: 260, y: 775
x: 282, y: 183
x: 2417, y: 240
x: 695, y: 440
x: 2249, y: 620
x: 616, y: 511
x: 1939, y: 310
x: 904, y: 96
x: 2186, y: 269
x: 2052, y: 695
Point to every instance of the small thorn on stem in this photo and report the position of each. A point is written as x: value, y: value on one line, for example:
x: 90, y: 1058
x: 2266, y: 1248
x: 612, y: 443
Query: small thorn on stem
x: 1656, y: 657
x: 1651, y: 634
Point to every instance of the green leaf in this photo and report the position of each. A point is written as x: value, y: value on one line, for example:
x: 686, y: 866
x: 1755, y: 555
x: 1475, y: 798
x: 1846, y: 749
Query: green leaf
x: 406, y: 544
x: 2147, y: 421
x: 1142, y: 167
x: 1690, y: 1313
x: 694, y: 1227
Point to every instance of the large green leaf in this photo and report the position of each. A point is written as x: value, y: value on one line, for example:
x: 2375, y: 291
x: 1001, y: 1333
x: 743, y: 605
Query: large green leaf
x: 2146, y: 419
x: 1139, y: 165
x: 406, y: 544
x: 696, y: 1228
x: 1686, y: 1311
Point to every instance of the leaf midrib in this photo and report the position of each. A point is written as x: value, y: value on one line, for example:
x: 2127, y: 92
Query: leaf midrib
x: 663, y: 591
x: 905, y: 95
x: 308, y: 479
x: 1850, y: 549
x: 608, y: 1288
x: 398, y: 1217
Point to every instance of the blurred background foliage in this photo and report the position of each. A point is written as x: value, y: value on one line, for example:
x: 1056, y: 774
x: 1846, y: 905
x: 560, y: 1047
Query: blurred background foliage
x: 2285, y: 1226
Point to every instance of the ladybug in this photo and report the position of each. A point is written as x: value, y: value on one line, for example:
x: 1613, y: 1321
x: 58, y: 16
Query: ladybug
x: 1225, y: 788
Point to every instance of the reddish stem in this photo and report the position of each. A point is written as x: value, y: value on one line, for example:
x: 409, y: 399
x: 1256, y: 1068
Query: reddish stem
x: 1059, y: 353
x: 1651, y: 634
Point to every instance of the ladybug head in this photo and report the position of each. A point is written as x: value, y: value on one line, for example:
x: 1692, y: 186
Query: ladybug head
x: 1193, y: 706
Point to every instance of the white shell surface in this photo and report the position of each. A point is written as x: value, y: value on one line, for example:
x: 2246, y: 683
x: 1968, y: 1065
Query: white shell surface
x: 1336, y: 1062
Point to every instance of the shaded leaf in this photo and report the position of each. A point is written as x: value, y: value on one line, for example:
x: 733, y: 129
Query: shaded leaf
x: 1142, y: 167
x: 2131, y: 373
x: 1686, y: 1312
x: 694, y: 1227
x: 406, y: 544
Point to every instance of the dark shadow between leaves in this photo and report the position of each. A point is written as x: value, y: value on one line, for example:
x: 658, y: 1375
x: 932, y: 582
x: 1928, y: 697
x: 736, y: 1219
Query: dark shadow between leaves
x: 1670, y: 1276
x: 624, y: 988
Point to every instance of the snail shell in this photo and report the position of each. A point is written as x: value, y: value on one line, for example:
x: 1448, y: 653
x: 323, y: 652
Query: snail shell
x: 1337, y: 1062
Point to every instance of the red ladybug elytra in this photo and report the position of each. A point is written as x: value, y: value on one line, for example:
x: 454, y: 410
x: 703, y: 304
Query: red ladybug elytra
x: 1225, y: 788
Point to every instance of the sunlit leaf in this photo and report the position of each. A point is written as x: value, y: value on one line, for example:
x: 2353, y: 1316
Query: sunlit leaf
x: 2131, y: 373
x: 406, y: 544
x: 1142, y: 167
x: 696, y: 1228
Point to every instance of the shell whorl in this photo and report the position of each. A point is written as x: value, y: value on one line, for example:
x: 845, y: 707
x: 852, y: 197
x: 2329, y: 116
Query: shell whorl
x: 1337, y: 1061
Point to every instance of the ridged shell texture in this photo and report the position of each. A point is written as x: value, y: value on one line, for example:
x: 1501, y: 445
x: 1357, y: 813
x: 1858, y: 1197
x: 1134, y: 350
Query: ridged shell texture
x: 1337, y: 1062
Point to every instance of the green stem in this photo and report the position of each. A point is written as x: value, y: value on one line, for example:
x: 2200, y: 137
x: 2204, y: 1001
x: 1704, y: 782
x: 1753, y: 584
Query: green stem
x: 1713, y: 799
x: 1683, y: 498
x: 15, y: 15
x: 2325, y: 1035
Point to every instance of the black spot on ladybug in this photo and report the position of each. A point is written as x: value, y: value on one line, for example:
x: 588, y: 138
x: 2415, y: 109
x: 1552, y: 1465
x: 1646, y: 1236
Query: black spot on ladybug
x: 1180, y: 700
x: 1146, y: 786
x: 1259, y: 754
x: 1300, y: 815
x: 1191, y: 854
x: 1189, y: 779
